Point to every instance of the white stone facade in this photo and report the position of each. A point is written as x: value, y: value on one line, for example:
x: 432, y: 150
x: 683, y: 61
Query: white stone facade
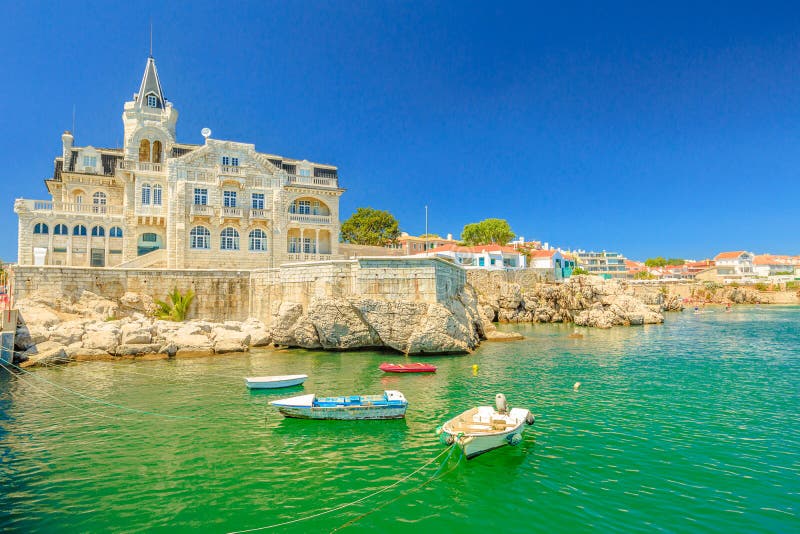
x: 164, y: 204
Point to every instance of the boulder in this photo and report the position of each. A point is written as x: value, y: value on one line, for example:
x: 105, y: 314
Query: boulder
x: 45, y: 353
x: 68, y: 333
x: 136, y: 334
x: 137, y: 350
x: 230, y: 341
x: 105, y: 339
x: 131, y: 303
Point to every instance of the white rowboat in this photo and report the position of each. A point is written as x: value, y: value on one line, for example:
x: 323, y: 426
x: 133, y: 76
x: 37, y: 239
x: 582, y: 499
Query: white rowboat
x: 484, y: 428
x: 272, y: 382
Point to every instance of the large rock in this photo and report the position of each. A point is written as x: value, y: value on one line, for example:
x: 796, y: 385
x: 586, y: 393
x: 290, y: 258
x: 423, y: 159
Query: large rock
x: 137, y: 350
x: 68, y: 333
x: 586, y: 300
x: 131, y: 303
x: 136, y: 334
x: 45, y: 353
x: 226, y: 340
x: 105, y: 339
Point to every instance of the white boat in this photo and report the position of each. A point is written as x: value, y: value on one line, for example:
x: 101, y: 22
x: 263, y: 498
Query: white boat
x: 272, y: 382
x: 391, y: 405
x: 484, y: 428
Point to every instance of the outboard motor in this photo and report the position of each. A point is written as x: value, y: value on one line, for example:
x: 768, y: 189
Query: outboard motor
x: 500, y: 403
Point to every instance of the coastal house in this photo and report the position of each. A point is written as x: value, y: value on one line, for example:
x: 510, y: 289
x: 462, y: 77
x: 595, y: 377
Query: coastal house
x: 734, y: 264
x: 410, y: 244
x: 605, y: 264
x: 772, y: 265
x: 158, y: 202
x: 552, y: 264
x: 489, y: 257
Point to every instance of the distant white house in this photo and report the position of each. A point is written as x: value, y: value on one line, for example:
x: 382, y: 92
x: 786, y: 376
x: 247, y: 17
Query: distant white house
x: 551, y: 263
x: 489, y: 257
x: 735, y: 264
x: 771, y: 264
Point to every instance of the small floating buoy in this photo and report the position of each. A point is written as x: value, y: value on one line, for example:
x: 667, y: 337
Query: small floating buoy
x: 576, y: 387
x: 475, y: 369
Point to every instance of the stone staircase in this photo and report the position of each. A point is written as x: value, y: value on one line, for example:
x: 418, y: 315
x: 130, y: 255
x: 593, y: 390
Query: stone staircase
x: 151, y: 260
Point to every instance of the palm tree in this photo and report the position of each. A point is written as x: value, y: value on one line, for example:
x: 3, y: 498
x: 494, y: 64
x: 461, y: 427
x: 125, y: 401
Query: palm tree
x: 178, y: 306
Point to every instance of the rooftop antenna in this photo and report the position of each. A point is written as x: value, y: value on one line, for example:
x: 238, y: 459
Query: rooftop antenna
x: 151, y: 37
x: 73, y: 120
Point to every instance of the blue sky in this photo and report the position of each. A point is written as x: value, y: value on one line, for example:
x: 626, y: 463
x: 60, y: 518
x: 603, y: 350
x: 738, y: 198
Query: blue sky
x: 648, y: 129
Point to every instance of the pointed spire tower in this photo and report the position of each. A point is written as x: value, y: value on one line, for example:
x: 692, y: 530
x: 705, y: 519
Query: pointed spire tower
x: 149, y: 116
x: 150, y: 93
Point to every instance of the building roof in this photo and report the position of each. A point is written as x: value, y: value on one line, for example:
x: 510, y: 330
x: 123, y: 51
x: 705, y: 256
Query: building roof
x: 543, y: 253
x: 478, y: 249
x: 772, y: 259
x: 150, y: 84
x: 729, y: 255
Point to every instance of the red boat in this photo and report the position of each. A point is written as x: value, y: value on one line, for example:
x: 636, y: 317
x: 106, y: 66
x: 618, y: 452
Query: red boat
x: 407, y: 368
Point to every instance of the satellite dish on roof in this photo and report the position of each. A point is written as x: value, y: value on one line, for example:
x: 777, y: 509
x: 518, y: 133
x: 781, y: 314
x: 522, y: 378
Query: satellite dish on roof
x: 205, y: 132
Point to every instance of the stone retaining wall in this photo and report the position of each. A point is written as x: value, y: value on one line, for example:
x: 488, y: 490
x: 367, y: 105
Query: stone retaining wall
x: 236, y: 295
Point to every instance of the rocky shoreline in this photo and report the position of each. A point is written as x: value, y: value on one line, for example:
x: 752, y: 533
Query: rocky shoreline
x: 87, y: 326
x: 583, y: 300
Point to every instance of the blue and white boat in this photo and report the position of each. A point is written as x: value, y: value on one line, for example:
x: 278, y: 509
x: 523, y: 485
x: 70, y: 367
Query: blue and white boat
x: 391, y: 405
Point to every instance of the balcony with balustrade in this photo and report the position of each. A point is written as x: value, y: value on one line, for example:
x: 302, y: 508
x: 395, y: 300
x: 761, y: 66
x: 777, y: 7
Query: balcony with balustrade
x: 201, y: 210
x: 141, y: 166
x: 229, y: 212
x: 307, y: 218
x: 312, y: 181
x: 63, y: 208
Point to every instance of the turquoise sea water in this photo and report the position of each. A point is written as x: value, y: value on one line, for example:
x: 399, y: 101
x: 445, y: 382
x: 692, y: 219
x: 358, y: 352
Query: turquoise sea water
x: 687, y: 426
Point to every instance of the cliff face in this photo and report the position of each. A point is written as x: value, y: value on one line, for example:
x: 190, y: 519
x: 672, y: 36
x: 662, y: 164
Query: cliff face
x: 584, y: 300
x: 409, y: 327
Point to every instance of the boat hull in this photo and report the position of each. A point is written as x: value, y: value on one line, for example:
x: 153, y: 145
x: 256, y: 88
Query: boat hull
x: 407, y: 368
x: 476, y: 435
x: 343, y: 413
x: 270, y: 382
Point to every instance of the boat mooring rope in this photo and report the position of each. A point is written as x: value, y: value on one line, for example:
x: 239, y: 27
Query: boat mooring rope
x: 45, y: 392
x: 407, y: 492
x: 357, y: 501
x: 94, y: 399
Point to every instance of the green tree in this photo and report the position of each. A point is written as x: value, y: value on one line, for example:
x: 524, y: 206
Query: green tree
x: 655, y: 262
x: 178, y: 306
x: 487, y: 231
x: 369, y: 226
x: 675, y: 261
x: 577, y: 270
x: 643, y: 275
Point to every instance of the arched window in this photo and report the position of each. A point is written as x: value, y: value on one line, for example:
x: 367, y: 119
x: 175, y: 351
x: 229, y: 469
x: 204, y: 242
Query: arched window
x: 78, y: 196
x: 156, y: 194
x: 258, y: 240
x: 115, y: 231
x: 156, y: 151
x: 229, y: 239
x: 200, y: 238
x: 144, y: 150
x: 79, y: 229
x: 40, y: 228
x: 145, y: 194
x: 98, y: 231
x: 99, y: 202
x: 60, y: 229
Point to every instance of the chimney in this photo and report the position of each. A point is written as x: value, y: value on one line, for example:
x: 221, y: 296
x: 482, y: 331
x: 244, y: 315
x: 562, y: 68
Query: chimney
x: 449, y: 237
x: 66, y: 140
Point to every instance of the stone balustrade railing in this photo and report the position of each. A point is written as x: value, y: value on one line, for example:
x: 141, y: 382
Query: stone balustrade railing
x: 144, y: 166
x: 315, y: 181
x: 309, y: 219
x: 48, y: 206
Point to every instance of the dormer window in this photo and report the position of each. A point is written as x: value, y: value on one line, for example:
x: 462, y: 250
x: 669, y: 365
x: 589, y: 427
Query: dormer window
x: 305, y: 172
x: 234, y: 162
x: 228, y: 161
x: 152, y: 101
x: 89, y: 161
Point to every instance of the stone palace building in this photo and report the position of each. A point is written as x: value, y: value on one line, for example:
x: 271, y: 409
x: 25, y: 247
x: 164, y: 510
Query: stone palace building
x: 159, y: 203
